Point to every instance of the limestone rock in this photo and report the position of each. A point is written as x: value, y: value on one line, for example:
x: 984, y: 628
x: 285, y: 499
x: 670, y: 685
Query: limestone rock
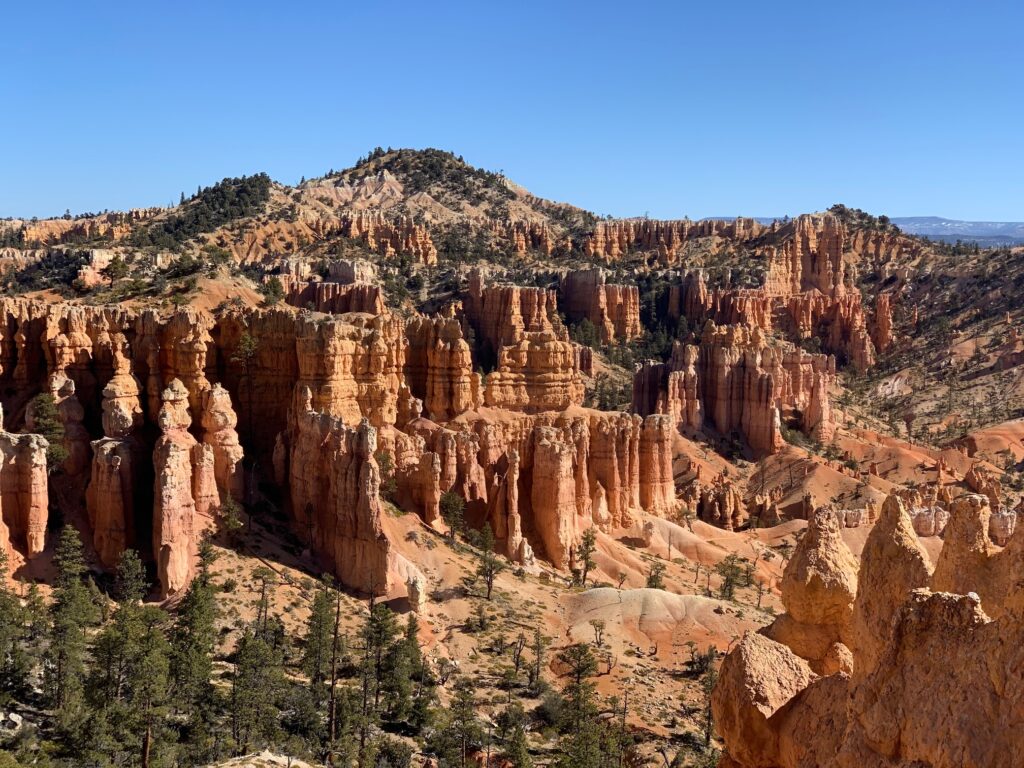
x: 758, y: 678
x: 966, y: 548
x: 182, y: 494
x: 892, y: 564
x: 820, y: 581
x: 439, y: 368
x: 334, y: 485
x: 614, y: 310
x: 24, y: 499
x: 219, y: 421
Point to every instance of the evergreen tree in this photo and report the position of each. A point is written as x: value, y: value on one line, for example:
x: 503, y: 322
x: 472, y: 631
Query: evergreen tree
x: 254, y: 689
x: 316, y: 655
x: 518, y: 752
x: 116, y: 646
x: 377, y: 635
x: 273, y: 292
x: 15, y: 659
x: 47, y: 422
x: 461, y: 731
x: 585, y: 554
x: 656, y: 576
x: 116, y: 270
x: 193, y: 639
x: 581, y: 745
x: 132, y: 584
x: 149, y: 681
x: 72, y: 612
x: 453, y: 510
x: 424, y: 693
x: 489, y: 566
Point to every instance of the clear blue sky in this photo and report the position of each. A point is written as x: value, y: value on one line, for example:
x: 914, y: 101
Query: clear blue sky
x: 675, y: 108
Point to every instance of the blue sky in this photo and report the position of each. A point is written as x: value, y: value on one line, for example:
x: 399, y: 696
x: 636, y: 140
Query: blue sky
x: 669, y: 109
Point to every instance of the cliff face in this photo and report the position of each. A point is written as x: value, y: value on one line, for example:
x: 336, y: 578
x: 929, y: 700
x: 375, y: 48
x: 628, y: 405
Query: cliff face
x: 120, y: 376
x: 837, y: 319
x: 614, y: 310
x: 334, y: 483
x: 540, y: 480
x: 167, y: 400
x: 734, y: 381
x: 502, y: 314
x: 612, y: 240
x: 24, y: 498
x: 331, y: 297
x: 897, y: 698
x: 539, y: 372
x: 181, y: 504
x: 439, y: 368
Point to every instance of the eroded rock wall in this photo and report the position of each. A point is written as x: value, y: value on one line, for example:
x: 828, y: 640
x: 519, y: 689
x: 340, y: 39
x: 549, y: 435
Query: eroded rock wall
x: 928, y: 670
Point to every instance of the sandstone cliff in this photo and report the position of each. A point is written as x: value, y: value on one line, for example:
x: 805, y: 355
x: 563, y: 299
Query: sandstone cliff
x: 928, y: 670
x: 736, y: 381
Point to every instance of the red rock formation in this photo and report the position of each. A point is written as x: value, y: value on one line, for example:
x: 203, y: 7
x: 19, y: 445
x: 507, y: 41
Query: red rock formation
x: 383, y: 235
x: 24, y: 500
x: 537, y: 373
x: 390, y: 237
x: 836, y: 319
x: 181, y: 496
x: 605, y: 467
x: 114, y: 226
x: 352, y: 367
x: 219, y: 421
x: 501, y: 314
x: 553, y: 496
x: 612, y: 240
x: 914, y: 653
x: 439, y: 368
x: 333, y: 298
x: 527, y: 236
x: 110, y: 497
x: 818, y: 590
x: 334, y: 481
x: 882, y: 325
x: 657, y: 484
x: 735, y: 381
x: 719, y: 503
x: 613, y: 309
x: 672, y: 389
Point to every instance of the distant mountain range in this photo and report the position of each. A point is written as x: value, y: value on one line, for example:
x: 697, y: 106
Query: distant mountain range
x: 991, y: 233
x: 985, y: 233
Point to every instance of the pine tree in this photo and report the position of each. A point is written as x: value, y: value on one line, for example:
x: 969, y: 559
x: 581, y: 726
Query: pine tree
x: 47, y: 422
x: 518, y: 752
x: 72, y: 611
x: 132, y: 584
x: 377, y: 635
x: 453, y: 510
x: 489, y: 566
x: 149, y: 680
x: 656, y: 576
x: 424, y: 694
x: 116, y: 646
x: 316, y: 655
x: 15, y: 659
x: 193, y: 639
x: 254, y: 690
x: 581, y: 745
x: 463, y: 725
x: 116, y: 270
x: 585, y: 554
